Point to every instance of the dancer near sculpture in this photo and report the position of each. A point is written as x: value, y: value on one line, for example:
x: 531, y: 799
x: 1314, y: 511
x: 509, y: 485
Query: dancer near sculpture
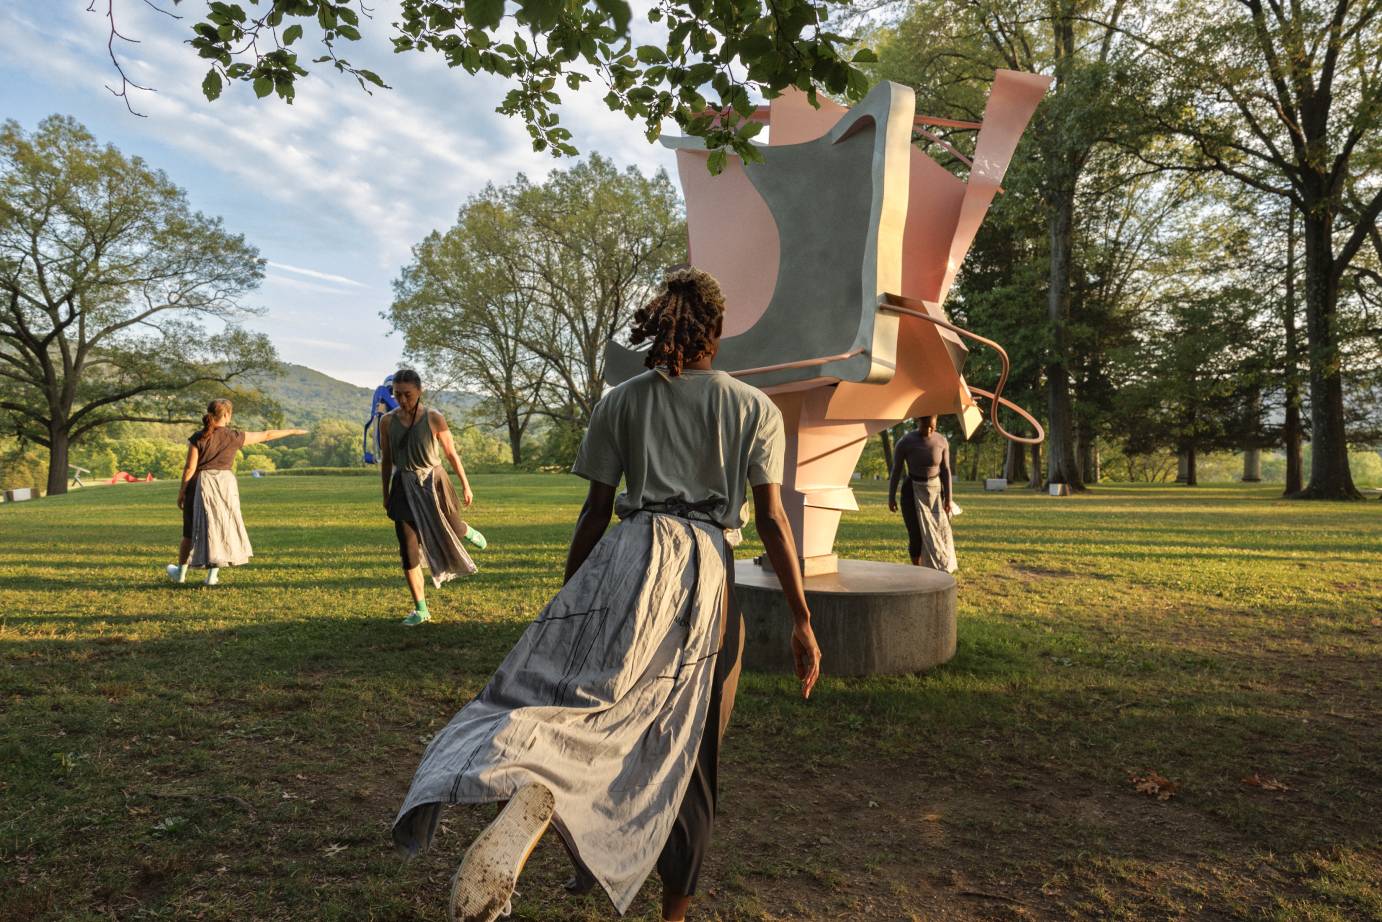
x: 924, y: 456
x: 418, y: 495
x: 606, y: 719
x: 213, y: 532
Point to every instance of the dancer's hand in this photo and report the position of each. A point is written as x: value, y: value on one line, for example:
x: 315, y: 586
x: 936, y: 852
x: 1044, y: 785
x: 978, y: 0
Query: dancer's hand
x: 892, y: 503
x: 947, y: 507
x: 466, y: 496
x: 806, y: 656
x: 182, y: 498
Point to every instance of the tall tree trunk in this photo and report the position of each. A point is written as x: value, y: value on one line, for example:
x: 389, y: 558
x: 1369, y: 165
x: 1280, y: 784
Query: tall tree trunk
x: 1252, y: 465
x: 515, y: 436
x: 886, y: 438
x: 1035, y: 482
x: 1060, y: 428
x: 1329, y: 474
x: 57, y: 461
x: 1182, y: 465
x: 1191, y: 477
x: 1014, y: 463
x: 1291, y: 434
x: 1089, y: 457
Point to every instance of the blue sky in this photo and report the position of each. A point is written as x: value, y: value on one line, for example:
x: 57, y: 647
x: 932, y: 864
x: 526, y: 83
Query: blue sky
x: 333, y: 190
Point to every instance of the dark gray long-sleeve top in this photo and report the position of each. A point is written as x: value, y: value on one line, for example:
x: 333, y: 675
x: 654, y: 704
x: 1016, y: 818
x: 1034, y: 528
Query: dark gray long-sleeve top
x: 921, y: 457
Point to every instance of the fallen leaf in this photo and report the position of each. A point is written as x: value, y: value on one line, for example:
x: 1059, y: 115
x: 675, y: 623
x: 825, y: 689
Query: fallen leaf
x: 1266, y: 784
x: 1153, y: 784
x: 331, y: 851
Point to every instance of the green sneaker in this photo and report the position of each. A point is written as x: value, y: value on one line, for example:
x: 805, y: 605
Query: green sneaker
x: 472, y: 534
x: 416, y: 618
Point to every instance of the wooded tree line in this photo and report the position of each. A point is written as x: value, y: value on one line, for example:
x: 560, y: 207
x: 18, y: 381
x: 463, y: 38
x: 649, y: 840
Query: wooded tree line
x: 1188, y: 255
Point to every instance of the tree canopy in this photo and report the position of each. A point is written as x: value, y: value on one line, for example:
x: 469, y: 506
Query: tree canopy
x: 119, y: 301
x: 729, y: 49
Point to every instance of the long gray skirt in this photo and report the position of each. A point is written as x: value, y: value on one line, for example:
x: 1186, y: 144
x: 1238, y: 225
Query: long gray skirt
x: 218, y: 532
x: 937, y: 542
x: 604, y: 699
x: 433, y: 509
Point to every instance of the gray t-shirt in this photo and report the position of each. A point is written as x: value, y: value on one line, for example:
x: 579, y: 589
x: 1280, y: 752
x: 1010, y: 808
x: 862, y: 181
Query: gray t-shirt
x: 701, y: 436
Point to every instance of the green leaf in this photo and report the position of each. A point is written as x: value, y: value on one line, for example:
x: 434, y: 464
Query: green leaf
x: 651, y: 54
x: 484, y: 14
x: 865, y: 56
x: 263, y: 86
x: 716, y: 163
x: 211, y: 86
x: 292, y: 34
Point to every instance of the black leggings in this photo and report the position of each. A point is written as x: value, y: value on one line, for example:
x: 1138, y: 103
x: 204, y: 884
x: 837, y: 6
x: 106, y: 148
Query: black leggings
x: 909, y: 517
x: 409, y: 547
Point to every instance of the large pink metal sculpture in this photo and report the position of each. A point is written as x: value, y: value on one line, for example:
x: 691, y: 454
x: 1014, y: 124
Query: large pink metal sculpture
x: 835, y: 255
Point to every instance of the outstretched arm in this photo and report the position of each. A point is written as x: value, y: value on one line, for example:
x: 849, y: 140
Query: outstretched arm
x: 448, y: 448
x: 590, y: 525
x: 268, y: 435
x: 776, y: 532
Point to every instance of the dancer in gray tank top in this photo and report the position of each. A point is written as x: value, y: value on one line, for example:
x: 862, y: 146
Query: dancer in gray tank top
x: 418, y: 495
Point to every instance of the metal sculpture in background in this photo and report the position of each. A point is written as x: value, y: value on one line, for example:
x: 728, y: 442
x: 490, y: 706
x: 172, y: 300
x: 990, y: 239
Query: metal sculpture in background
x: 835, y: 255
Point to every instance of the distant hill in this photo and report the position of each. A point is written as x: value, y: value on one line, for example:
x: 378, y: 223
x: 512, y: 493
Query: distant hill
x: 307, y: 396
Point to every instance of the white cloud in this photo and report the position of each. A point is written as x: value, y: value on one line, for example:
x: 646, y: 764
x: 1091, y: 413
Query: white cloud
x: 313, y: 273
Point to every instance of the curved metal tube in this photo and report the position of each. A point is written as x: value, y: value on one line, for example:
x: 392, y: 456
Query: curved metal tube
x: 803, y: 363
x: 894, y: 303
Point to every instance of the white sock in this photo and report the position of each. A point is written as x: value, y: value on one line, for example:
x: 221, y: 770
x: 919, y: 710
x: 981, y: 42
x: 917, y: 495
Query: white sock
x: 182, y: 571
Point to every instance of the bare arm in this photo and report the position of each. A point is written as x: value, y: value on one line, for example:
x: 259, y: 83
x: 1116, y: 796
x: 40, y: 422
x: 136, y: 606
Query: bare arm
x: 189, y: 470
x: 590, y: 525
x: 895, y: 477
x: 776, y: 533
x: 268, y: 435
x: 448, y: 448
x: 945, y: 477
x: 385, y: 458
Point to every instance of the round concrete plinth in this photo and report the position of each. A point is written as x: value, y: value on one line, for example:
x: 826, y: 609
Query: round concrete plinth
x: 870, y: 618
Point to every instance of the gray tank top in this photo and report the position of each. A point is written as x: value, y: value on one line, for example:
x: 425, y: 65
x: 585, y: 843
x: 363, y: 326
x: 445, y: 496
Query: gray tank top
x: 414, y: 447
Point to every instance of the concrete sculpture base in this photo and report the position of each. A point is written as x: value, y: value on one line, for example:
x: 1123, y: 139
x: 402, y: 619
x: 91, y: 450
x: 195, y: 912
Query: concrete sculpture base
x: 870, y: 618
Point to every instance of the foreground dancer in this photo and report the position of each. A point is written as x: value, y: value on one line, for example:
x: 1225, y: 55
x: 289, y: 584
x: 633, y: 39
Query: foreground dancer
x: 924, y: 454
x: 418, y: 495
x: 213, y: 533
x: 606, y: 719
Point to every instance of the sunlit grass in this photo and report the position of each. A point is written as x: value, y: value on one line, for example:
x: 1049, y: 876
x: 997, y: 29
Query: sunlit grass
x: 237, y: 753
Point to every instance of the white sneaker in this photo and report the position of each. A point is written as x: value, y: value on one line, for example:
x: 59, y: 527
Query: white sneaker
x: 175, y: 573
x: 482, y: 888
x: 212, y: 578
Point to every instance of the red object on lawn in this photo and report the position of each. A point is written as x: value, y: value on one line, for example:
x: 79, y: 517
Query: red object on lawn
x: 127, y: 477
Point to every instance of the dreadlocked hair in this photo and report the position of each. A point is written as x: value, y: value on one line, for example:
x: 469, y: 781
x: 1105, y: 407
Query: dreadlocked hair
x: 683, y: 320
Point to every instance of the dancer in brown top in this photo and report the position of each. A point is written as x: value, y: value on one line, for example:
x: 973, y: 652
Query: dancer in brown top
x: 924, y: 455
x: 213, y: 533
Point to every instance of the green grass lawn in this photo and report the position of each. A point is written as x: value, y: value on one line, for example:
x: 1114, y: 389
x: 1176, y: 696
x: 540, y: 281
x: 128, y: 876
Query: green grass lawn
x: 239, y: 753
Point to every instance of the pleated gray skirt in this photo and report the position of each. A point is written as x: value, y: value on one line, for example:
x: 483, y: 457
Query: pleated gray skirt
x: 218, y: 532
